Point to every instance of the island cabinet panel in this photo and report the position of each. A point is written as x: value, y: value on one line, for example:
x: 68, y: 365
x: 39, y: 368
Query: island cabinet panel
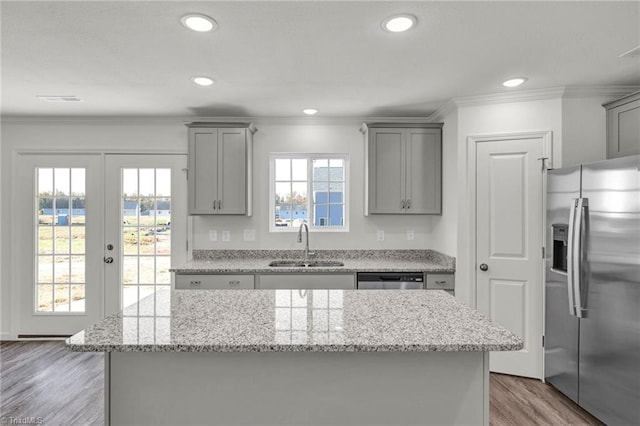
x: 306, y: 281
x: 214, y: 281
x: 297, y: 388
x: 441, y: 282
x: 623, y: 126
x: 404, y: 168
x: 220, y: 169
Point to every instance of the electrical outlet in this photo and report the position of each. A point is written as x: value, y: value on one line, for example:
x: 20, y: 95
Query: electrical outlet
x: 226, y: 236
x: 213, y: 235
x: 249, y: 235
x: 410, y: 235
x: 380, y: 235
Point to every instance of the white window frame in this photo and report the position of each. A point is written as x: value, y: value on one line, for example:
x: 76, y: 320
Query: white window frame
x: 309, y: 157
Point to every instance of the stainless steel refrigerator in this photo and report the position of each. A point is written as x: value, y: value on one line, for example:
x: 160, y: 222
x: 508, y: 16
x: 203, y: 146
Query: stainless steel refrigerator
x: 592, y: 293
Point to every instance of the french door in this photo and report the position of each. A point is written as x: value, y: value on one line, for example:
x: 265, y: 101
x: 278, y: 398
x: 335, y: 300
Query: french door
x: 93, y: 234
x: 57, y: 243
x: 145, y: 225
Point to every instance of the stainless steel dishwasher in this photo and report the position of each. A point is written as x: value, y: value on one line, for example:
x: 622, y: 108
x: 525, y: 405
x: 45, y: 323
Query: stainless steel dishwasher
x: 390, y: 280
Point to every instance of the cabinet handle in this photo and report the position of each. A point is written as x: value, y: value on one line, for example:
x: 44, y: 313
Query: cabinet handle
x: 214, y: 204
x: 195, y: 283
x: 219, y: 204
x: 234, y: 283
x: 408, y: 204
x: 404, y: 204
x: 441, y: 282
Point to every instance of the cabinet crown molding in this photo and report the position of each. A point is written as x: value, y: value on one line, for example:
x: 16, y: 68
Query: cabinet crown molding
x: 219, y: 125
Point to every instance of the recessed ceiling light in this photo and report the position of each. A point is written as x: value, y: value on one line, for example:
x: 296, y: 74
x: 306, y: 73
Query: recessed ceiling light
x: 59, y: 98
x: 514, y: 82
x: 198, y: 22
x: 202, y: 80
x: 310, y: 111
x: 399, y: 23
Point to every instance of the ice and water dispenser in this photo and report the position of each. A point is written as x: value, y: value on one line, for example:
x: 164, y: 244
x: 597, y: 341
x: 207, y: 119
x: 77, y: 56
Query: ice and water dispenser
x: 560, y: 233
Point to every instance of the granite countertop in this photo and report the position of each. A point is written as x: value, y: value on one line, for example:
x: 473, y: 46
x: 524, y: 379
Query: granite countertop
x: 257, y: 261
x: 296, y: 321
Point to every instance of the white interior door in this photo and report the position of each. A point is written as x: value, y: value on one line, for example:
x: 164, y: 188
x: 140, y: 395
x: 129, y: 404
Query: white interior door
x: 509, y: 230
x: 145, y: 225
x: 57, y: 237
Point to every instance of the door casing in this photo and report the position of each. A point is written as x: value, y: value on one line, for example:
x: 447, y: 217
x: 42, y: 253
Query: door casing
x: 471, y: 252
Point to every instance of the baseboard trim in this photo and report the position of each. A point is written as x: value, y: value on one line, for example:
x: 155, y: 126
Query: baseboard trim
x: 43, y: 336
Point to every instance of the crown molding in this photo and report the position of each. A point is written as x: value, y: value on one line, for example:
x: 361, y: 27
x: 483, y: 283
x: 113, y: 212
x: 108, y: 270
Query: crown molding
x: 445, y: 109
x: 519, y: 96
x: 562, y: 92
x: 599, y: 91
x: 200, y: 119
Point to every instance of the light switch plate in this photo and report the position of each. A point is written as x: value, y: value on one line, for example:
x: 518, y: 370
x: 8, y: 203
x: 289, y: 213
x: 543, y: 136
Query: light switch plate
x: 410, y: 235
x: 213, y: 235
x: 226, y: 236
x: 249, y: 235
x: 380, y: 235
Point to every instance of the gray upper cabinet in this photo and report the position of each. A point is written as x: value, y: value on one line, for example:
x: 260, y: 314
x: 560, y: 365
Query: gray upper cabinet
x: 404, y: 168
x: 623, y: 126
x: 220, y: 163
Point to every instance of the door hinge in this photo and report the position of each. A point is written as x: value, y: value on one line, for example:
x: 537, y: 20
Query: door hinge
x: 543, y: 254
x: 543, y: 341
x: 187, y: 243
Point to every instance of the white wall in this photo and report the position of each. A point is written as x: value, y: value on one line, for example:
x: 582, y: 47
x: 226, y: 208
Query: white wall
x: 511, y: 117
x: 170, y: 135
x: 343, y: 137
x: 445, y: 226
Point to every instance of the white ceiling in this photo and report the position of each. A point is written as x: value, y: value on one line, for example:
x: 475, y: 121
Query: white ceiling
x: 272, y: 59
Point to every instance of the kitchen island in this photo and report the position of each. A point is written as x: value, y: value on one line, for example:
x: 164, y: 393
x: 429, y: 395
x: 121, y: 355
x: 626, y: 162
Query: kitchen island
x: 291, y: 357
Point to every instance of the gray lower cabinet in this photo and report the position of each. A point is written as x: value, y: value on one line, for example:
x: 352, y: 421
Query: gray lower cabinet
x: 220, y: 167
x: 440, y: 281
x: 623, y: 126
x: 306, y: 281
x: 214, y: 282
x: 404, y: 168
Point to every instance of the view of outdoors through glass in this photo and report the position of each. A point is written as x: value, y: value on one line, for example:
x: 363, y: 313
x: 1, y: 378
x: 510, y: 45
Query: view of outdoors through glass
x: 60, y: 248
x: 146, y: 232
x: 296, y: 178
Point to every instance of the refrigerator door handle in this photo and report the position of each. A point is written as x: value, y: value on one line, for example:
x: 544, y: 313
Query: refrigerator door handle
x: 578, y: 254
x: 570, y: 255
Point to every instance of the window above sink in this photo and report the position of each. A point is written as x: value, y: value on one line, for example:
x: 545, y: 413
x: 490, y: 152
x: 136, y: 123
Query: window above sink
x: 311, y: 189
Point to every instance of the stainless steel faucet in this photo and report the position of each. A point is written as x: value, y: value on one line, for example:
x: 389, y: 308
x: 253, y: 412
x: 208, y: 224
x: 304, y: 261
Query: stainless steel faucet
x: 307, y: 253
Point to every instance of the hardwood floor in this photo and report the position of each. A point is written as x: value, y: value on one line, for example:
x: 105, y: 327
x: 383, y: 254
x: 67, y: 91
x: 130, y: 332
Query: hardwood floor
x: 520, y: 401
x: 42, y: 379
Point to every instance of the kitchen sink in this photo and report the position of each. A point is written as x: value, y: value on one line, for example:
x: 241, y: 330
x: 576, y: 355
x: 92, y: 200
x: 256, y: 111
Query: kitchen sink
x: 305, y: 264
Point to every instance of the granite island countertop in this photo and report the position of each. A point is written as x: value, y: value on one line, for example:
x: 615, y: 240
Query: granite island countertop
x: 257, y: 261
x: 296, y: 321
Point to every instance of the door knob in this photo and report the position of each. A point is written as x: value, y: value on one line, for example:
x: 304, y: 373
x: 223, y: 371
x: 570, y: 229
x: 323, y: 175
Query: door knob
x: 108, y: 259
x: 484, y: 267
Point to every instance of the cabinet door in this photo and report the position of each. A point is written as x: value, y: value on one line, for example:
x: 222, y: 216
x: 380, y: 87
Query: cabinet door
x: 386, y: 171
x: 213, y: 282
x: 424, y: 171
x: 203, y: 153
x: 623, y: 129
x: 307, y: 281
x: 440, y: 281
x: 232, y: 171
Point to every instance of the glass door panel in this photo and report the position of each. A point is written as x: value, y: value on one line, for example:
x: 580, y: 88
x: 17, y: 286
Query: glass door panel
x: 150, y: 191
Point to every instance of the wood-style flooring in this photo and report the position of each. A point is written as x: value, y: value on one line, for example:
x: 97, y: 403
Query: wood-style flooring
x: 42, y: 379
